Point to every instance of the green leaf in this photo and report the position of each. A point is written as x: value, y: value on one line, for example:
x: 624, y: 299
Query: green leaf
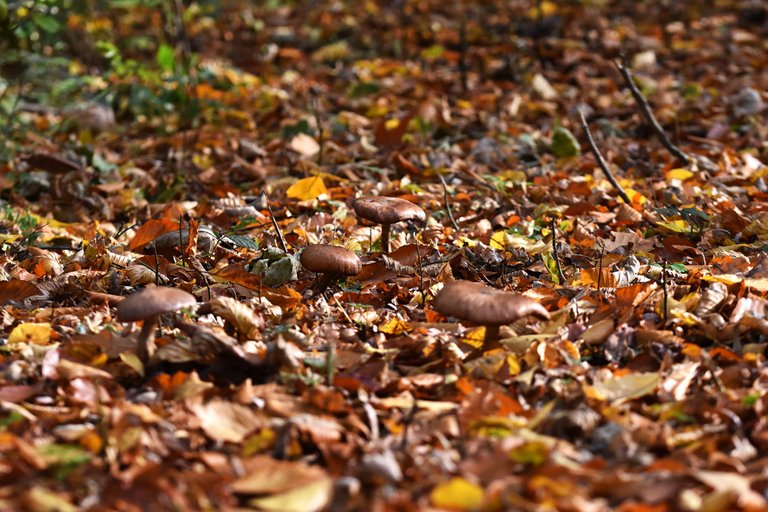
x: 284, y: 270
x: 165, y: 58
x: 243, y: 241
x: 47, y: 23
x: 63, y: 454
x: 433, y: 52
x: 361, y: 89
x: 564, y: 144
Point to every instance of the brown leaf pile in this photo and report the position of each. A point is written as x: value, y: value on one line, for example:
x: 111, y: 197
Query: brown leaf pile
x: 644, y: 390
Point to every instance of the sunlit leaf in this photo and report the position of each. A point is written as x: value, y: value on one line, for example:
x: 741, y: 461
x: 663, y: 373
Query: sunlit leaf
x: 627, y: 387
x: 679, y: 174
x: 307, y: 188
x: 394, y: 326
x: 31, y: 333
x: 457, y: 494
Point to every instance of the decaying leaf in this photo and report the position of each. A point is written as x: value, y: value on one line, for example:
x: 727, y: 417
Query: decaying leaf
x: 225, y: 421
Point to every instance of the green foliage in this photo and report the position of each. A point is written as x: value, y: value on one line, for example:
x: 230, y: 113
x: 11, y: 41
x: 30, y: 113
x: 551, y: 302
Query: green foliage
x: 564, y: 143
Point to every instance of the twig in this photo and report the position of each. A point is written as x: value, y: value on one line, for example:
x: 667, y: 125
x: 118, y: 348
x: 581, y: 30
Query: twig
x: 280, y: 237
x: 555, y: 254
x: 645, y: 108
x: 157, y: 266
x: 600, y: 267
x: 601, y: 161
x: 447, y: 204
x: 315, y: 106
x: 463, y: 56
x: 421, y: 276
x: 710, y: 365
x: 664, y: 288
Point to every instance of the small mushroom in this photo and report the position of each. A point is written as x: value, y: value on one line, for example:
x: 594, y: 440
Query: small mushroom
x: 387, y: 211
x: 483, y: 305
x: 148, y: 305
x: 330, y: 262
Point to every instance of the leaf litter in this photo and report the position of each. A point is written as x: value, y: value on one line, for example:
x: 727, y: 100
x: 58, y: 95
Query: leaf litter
x: 643, y: 390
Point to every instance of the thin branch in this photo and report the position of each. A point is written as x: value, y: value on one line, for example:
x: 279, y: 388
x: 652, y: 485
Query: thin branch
x: 447, y: 204
x: 645, y: 108
x: 601, y: 161
x: 463, y: 56
x: 664, y: 288
x: 555, y: 254
x: 315, y: 107
x: 600, y: 267
x: 280, y: 237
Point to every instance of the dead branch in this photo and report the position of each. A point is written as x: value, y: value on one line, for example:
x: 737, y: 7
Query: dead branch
x: 601, y: 161
x: 645, y: 108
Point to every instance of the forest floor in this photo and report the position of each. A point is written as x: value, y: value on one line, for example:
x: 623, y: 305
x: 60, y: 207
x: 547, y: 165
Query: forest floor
x: 204, y: 148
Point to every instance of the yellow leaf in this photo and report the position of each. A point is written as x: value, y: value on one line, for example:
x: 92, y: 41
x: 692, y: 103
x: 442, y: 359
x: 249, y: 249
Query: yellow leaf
x: 497, y: 240
x: 31, y: 333
x: 307, y: 189
x: 394, y: 326
x: 457, y: 494
x: 133, y: 362
x: 311, y: 497
x: 679, y: 174
x: 391, y: 124
x: 475, y: 337
x: 726, y: 279
x: 635, y: 196
x: 624, y: 388
x: 514, y: 364
x: 678, y: 226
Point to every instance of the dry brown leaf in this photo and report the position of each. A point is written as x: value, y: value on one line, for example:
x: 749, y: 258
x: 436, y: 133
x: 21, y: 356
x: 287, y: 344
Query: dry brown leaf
x: 226, y: 421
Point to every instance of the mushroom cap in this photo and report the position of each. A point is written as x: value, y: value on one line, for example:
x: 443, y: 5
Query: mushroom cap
x: 387, y: 210
x: 153, y: 301
x: 330, y: 259
x: 483, y: 305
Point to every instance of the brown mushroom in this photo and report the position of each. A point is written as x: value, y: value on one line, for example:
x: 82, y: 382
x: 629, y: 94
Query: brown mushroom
x: 330, y: 262
x: 483, y: 305
x: 148, y: 305
x: 387, y: 211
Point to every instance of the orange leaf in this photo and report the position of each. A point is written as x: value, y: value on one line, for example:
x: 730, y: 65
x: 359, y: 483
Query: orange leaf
x: 284, y: 297
x: 17, y: 290
x: 151, y: 230
x: 387, y: 133
x: 237, y: 274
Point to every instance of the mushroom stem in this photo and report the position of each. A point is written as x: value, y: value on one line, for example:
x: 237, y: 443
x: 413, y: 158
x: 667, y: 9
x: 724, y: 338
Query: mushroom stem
x: 385, y: 238
x: 491, y: 335
x: 322, y: 284
x: 146, y: 342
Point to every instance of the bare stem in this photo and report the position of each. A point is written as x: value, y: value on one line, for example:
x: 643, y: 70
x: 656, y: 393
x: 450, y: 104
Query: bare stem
x: 645, y: 108
x: 555, y: 254
x: 601, y: 161
x: 385, y: 238
x: 146, y: 342
x: 280, y: 237
x: 491, y: 335
x: 600, y: 267
x: 447, y: 204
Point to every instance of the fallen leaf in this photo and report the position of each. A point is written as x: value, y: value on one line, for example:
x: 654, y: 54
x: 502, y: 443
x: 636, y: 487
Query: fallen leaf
x: 457, y: 494
x: 39, y: 334
x: 226, y: 421
x: 307, y: 188
x: 622, y: 389
x: 304, y: 145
